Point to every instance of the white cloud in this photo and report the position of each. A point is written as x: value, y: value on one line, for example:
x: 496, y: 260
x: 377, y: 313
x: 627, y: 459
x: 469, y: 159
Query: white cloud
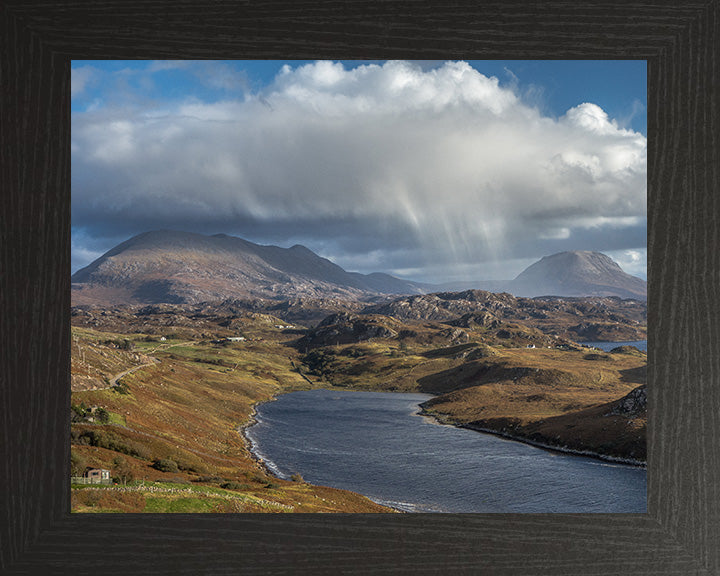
x: 590, y: 117
x: 443, y: 160
x: 555, y: 234
x: 80, y: 77
x: 160, y: 65
x: 637, y: 108
x: 633, y: 262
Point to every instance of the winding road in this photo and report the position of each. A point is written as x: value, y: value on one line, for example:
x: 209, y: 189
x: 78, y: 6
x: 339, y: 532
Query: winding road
x: 116, y: 377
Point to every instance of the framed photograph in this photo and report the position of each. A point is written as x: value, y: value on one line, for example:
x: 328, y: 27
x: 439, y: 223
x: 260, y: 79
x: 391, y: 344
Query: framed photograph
x: 286, y: 274
x: 49, y: 529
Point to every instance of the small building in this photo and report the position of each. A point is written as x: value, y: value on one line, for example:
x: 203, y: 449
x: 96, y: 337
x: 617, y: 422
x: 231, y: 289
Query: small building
x: 97, y: 476
x: 235, y: 338
x: 162, y: 338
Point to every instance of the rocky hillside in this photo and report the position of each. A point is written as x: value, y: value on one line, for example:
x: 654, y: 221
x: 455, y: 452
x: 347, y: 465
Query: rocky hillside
x: 181, y: 267
x: 577, y: 273
x: 579, y: 319
x: 632, y: 405
x: 345, y: 328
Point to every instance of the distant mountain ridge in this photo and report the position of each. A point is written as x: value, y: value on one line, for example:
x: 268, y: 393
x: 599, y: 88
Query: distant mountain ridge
x: 184, y: 267
x: 187, y: 268
x: 577, y: 273
x: 572, y: 274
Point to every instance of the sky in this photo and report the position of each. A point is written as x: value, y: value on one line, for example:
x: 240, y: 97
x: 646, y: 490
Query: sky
x: 433, y: 171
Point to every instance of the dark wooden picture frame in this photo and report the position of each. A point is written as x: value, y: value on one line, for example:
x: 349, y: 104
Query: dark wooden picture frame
x: 679, y: 535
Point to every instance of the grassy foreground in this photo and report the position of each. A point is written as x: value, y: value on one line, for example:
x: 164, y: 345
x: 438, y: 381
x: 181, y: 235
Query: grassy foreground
x: 171, y: 435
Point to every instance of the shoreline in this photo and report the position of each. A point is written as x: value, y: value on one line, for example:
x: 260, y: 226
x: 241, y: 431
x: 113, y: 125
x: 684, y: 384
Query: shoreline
x: 550, y: 447
x: 249, y: 444
x: 252, y: 420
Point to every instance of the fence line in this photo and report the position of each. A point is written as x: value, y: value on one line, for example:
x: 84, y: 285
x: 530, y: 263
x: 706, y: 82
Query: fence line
x: 83, y: 480
x: 247, y: 498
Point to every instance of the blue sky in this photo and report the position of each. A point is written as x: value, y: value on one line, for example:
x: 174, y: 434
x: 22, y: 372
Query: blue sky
x: 430, y: 170
x: 617, y: 86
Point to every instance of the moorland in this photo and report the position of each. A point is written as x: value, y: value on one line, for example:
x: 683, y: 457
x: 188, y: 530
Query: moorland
x: 161, y: 392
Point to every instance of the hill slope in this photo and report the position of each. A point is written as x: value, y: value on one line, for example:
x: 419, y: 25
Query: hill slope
x: 182, y: 267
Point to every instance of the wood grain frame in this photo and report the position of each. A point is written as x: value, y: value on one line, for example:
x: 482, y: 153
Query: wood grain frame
x: 680, y: 534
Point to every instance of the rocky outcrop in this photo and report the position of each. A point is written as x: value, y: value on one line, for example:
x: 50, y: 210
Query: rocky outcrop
x: 632, y: 405
x: 579, y: 319
x: 475, y: 306
x: 604, y: 331
x: 480, y: 352
x: 632, y: 350
x: 347, y: 328
x: 455, y: 335
x: 482, y: 319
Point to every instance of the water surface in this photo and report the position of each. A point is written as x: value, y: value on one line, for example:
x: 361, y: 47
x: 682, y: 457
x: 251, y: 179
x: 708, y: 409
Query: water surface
x: 607, y: 346
x: 376, y: 444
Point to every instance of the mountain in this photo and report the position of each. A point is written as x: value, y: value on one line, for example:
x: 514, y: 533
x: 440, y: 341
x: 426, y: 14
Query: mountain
x: 183, y: 267
x: 577, y: 273
x: 186, y: 268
